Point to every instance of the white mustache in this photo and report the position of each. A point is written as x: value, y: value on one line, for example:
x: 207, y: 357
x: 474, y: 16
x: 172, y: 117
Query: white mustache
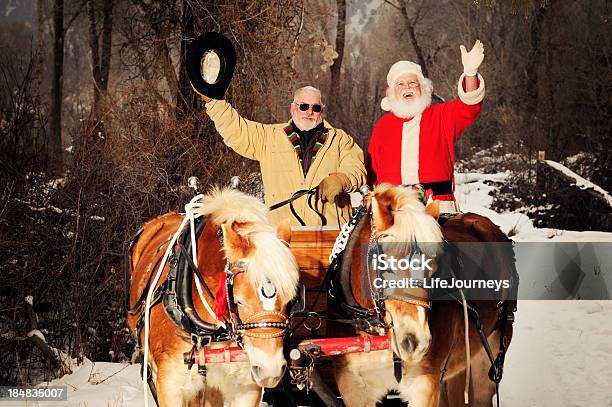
x: 407, y: 92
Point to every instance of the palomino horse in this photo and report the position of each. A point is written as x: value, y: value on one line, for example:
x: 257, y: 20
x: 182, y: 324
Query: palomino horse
x: 249, y: 265
x: 427, y: 337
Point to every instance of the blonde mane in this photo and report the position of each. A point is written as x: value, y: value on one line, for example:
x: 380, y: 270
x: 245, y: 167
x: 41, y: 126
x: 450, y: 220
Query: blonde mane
x: 411, y: 223
x: 271, y: 260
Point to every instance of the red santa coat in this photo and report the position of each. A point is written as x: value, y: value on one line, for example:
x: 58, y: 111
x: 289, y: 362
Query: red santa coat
x: 421, y: 149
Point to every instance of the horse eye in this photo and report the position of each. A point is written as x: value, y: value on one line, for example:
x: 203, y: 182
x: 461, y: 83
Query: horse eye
x: 238, y: 302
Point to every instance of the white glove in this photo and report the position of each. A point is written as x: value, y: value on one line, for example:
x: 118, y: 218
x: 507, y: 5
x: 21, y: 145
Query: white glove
x: 472, y: 60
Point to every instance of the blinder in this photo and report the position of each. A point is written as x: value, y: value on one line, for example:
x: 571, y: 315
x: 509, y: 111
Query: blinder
x: 273, y: 319
x: 298, y: 304
x: 412, y: 295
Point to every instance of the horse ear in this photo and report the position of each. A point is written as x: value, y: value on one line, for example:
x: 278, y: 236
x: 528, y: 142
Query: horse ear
x: 433, y: 209
x: 283, y: 231
x: 235, y: 246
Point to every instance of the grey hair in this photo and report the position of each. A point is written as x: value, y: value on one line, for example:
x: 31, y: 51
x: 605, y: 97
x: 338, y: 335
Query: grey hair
x: 426, y: 86
x: 299, y: 91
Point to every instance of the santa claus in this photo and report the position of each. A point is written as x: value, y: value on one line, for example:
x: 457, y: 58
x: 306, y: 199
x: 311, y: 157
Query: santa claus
x: 415, y: 142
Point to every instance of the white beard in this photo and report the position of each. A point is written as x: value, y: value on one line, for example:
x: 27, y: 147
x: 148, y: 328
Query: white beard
x: 404, y: 110
x: 305, y: 125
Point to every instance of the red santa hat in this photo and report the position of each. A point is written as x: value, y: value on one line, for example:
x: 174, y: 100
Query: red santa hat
x: 398, y: 69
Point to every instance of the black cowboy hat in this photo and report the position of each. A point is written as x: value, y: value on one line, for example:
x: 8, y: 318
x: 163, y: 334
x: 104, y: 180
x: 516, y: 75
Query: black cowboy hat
x: 205, y: 50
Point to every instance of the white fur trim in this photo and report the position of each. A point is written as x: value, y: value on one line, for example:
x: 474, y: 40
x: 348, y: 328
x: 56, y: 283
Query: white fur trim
x: 385, y: 104
x: 404, y: 67
x: 474, y: 97
x: 410, y: 151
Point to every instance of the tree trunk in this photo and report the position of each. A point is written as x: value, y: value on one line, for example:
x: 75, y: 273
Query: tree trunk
x: 107, y: 37
x: 537, y: 133
x: 187, y: 101
x: 533, y: 62
x: 55, y: 151
x: 410, y: 26
x: 100, y: 64
x: 163, y: 54
x: 337, y: 65
x: 39, y: 53
x: 39, y: 134
x: 95, y: 57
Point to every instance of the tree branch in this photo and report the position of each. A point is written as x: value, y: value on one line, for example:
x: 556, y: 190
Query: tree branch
x: 395, y: 6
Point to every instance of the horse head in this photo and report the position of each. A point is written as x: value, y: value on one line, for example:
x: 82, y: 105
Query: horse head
x: 261, y: 278
x: 404, y: 229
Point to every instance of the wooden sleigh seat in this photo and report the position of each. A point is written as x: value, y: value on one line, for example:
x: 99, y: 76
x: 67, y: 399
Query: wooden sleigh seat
x: 311, y: 246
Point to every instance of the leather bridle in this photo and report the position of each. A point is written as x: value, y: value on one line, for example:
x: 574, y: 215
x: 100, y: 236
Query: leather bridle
x: 378, y: 294
x: 276, y: 321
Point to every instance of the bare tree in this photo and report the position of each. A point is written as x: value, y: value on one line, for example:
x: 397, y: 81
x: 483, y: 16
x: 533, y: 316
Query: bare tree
x: 411, y: 19
x: 100, y: 62
x: 337, y: 65
x: 55, y: 152
x: 187, y: 102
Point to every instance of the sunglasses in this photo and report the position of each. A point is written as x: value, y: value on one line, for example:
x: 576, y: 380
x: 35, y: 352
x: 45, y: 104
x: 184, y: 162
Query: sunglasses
x: 305, y: 106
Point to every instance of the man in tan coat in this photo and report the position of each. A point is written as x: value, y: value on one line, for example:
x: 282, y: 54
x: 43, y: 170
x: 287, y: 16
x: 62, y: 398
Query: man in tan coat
x: 302, y: 154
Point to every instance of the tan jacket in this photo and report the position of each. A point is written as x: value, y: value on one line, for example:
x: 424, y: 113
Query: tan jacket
x: 281, y: 170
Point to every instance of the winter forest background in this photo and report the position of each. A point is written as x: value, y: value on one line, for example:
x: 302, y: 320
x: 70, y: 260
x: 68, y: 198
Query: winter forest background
x: 100, y: 129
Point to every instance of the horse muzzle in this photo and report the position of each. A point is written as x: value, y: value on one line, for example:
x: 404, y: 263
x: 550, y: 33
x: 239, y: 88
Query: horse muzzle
x: 268, y: 376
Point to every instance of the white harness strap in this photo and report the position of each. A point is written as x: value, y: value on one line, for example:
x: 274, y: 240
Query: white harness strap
x: 191, y: 214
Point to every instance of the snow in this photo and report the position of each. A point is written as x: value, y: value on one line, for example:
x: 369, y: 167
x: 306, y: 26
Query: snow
x: 99, y: 384
x: 36, y: 333
x: 580, y: 182
x: 560, y: 355
x: 474, y: 195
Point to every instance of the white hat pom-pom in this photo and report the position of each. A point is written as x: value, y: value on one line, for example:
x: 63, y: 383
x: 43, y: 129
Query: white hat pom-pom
x: 385, y: 104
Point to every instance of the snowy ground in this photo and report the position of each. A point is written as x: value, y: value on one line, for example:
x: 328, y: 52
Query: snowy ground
x: 99, y: 384
x: 561, y: 354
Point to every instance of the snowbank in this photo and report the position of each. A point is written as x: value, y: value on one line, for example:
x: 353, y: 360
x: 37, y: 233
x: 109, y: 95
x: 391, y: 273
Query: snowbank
x: 98, y: 384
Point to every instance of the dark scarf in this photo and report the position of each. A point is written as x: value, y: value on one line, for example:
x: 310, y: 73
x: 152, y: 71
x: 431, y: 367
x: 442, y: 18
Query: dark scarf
x: 306, y: 143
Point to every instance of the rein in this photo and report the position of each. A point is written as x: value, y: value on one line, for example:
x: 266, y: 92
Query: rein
x: 298, y: 194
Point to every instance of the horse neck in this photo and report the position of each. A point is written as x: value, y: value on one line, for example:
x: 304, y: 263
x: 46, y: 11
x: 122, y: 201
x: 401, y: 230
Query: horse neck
x: 211, y: 263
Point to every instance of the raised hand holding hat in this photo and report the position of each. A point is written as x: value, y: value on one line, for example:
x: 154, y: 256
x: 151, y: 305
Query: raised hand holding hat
x: 210, y: 63
x: 472, y: 60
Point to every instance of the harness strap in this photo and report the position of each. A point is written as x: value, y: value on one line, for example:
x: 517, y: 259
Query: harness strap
x: 194, y: 268
x: 296, y: 195
x: 397, y: 367
x: 127, y: 274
